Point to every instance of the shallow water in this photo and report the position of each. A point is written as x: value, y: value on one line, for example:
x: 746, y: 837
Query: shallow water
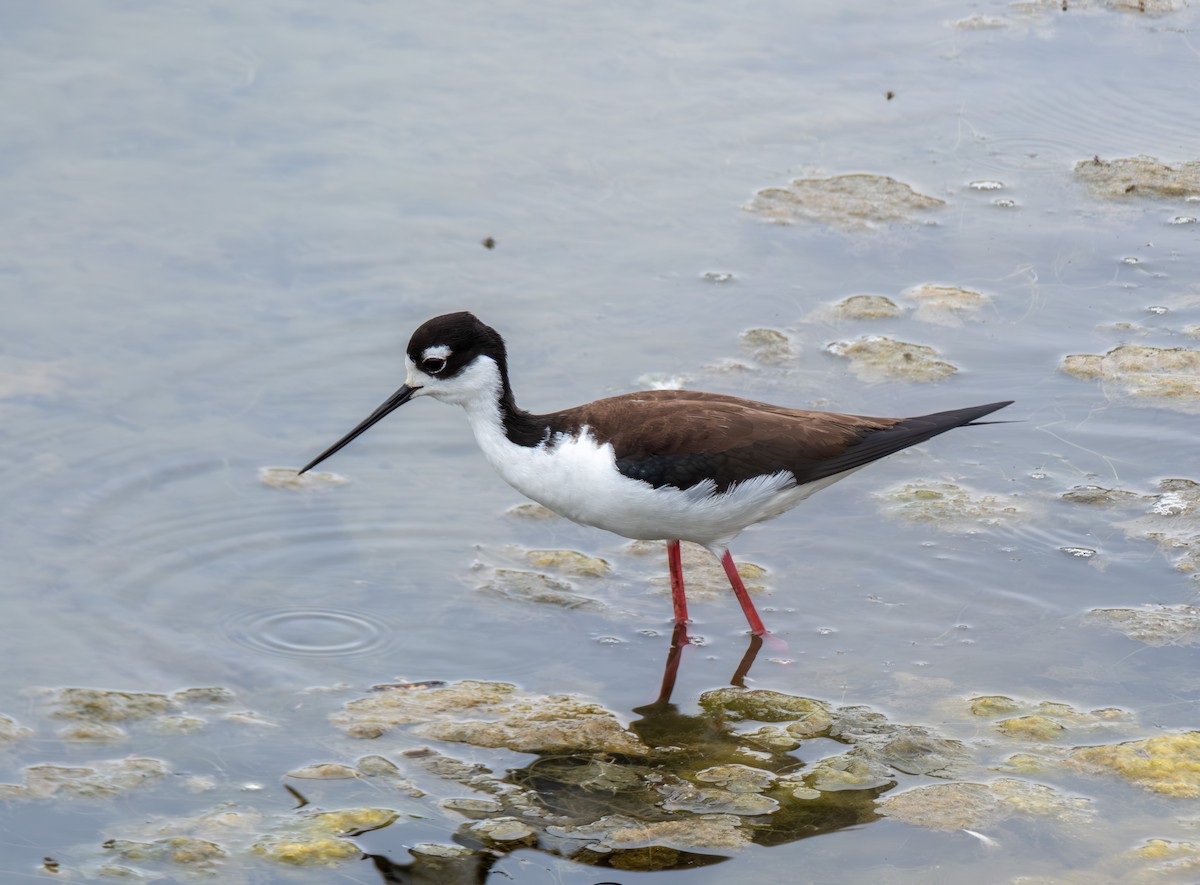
x: 223, y: 222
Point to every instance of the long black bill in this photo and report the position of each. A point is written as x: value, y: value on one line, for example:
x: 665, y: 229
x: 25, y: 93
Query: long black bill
x: 393, y: 402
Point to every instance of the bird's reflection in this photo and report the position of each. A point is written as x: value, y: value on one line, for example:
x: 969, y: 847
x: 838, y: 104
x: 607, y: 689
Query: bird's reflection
x: 582, y: 788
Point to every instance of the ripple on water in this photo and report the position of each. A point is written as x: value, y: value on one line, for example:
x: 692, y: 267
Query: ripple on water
x: 309, y: 632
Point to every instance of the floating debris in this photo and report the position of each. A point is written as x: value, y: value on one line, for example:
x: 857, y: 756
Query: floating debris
x: 946, y: 305
x: 1078, y: 552
x: 848, y: 202
x: 291, y: 478
x: 717, y: 276
x: 879, y: 358
x: 1138, y: 177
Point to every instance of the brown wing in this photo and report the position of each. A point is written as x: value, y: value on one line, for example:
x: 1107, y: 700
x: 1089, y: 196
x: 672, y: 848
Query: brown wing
x: 680, y: 438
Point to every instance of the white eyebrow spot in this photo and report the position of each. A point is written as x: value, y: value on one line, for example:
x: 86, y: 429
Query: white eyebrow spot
x: 437, y: 352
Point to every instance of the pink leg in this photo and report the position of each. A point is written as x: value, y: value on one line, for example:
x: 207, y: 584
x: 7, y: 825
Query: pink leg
x: 739, y: 590
x: 678, y: 595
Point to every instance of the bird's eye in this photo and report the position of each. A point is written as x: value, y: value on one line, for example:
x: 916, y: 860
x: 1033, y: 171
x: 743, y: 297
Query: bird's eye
x: 433, y: 364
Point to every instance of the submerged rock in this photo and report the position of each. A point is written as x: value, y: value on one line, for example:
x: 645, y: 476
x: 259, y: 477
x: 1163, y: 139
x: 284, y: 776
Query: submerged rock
x: 1168, y: 764
x: 848, y: 202
x: 879, y: 358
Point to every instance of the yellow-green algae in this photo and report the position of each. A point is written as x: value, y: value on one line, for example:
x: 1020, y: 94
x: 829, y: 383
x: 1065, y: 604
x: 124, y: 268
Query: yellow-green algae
x: 1167, y: 376
x: 570, y: 562
x: 317, y: 838
x: 880, y: 358
x: 848, y: 202
x: 186, y: 850
x: 992, y: 705
x: 518, y: 585
x: 103, y: 705
x: 1167, y: 764
x: 11, y: 730
x: 951, y: 507
x: 103, y: 778
x: 978, y: 806
x: 764, y: 705
x: 705, y: 575
x: 1031, y: 728
x: 946, y: 305
x: 866, y: 307
x: 1131, y: 177
x: 1158, y: 625
x: 769, y: 346
x: 494, y: 714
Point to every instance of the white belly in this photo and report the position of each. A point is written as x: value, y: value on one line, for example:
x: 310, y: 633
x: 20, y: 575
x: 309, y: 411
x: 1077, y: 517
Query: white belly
x: 577, y: 478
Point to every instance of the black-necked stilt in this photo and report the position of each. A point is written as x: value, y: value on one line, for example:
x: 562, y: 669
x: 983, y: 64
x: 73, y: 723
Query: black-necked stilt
x: 673, y: 465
